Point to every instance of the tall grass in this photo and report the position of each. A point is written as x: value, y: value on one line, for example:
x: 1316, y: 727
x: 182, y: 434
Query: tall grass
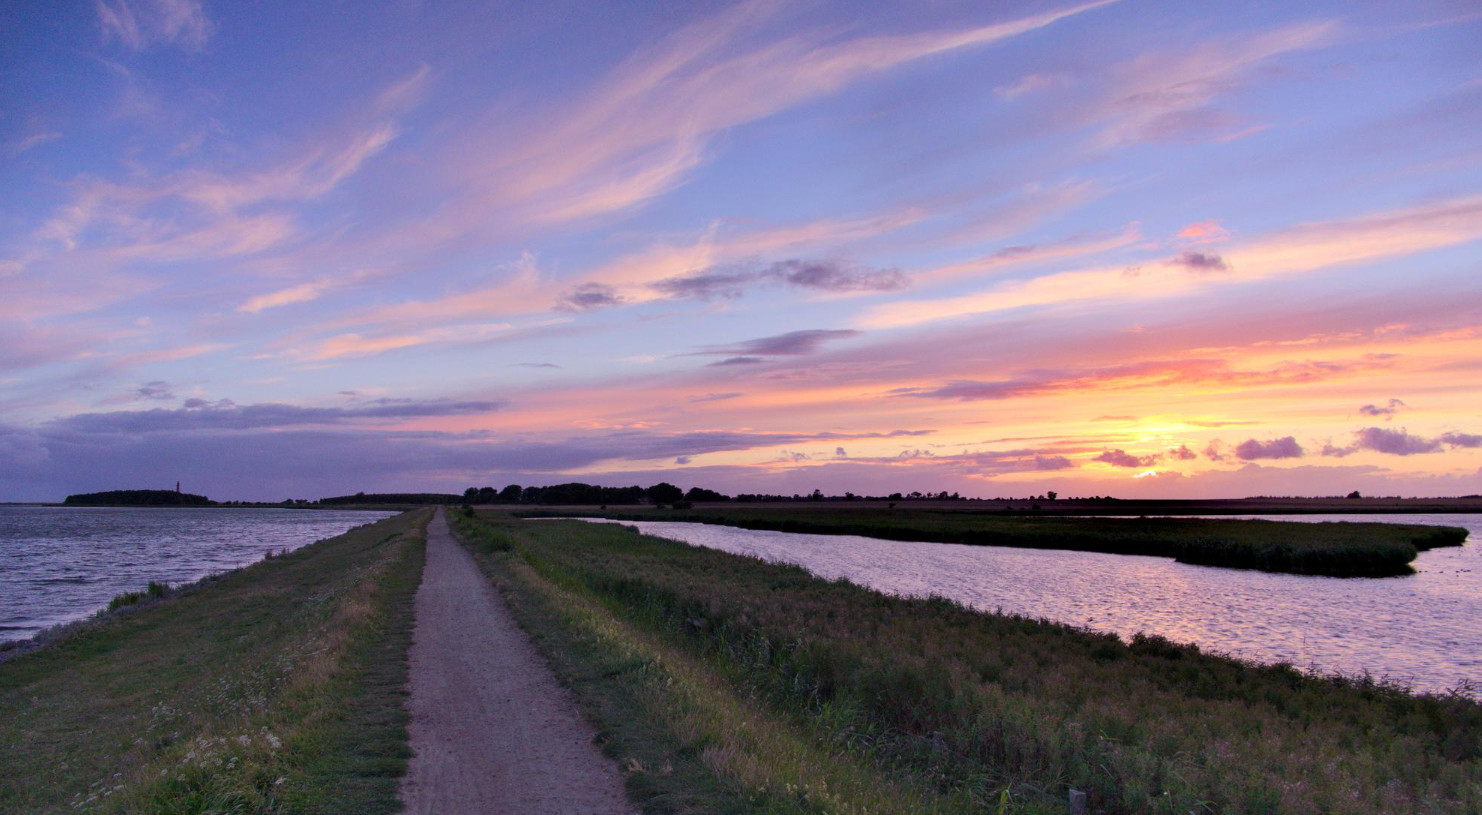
x: 154, y: 591
x: 989, y: 709
x: 1334, y: 549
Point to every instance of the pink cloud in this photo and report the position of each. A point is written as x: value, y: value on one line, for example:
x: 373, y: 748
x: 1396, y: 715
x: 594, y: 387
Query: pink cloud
x: 1203, y: 232
x: 354, y: 345
x: 301, y: 293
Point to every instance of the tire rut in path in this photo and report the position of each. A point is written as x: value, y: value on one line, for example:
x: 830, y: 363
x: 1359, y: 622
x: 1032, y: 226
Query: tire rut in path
x: 492, y: 731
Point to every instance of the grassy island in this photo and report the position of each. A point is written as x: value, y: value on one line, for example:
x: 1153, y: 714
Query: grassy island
x: 1333, y: 549
x: 138, y: 498
x: 729, y: 684
x: 274, y: 688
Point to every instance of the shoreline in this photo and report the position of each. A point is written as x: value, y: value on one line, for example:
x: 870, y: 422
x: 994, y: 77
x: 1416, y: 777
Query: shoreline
x: 1343, y: 549
x: 275, y: 686
x: 104, y: 553
x: 1032, y: 506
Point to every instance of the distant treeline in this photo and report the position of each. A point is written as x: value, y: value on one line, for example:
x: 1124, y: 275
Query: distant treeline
x: 393, y: 498
x: 138, y: 498
x: 578, y: 493
x: 666, y: 493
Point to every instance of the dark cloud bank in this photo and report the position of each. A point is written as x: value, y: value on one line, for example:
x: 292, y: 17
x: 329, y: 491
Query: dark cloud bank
x: 1373, y: 439
x: 818, y: 275
x: 791, y: 344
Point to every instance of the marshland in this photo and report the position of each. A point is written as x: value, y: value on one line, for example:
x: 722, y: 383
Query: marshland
x: 792, y: 693
x: 1347, y: 549
x: 717, y: 681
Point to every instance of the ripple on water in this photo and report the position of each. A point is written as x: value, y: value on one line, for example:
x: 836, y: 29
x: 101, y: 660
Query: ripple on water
x: 59, y: 564
x: 1424, y: 630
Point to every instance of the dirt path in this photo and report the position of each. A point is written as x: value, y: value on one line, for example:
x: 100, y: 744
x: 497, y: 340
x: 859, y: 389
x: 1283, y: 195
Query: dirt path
x: 492, y: 730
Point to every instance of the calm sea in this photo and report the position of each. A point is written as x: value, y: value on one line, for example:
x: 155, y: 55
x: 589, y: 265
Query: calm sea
x: 59, y: 564
x: 1424, y: 630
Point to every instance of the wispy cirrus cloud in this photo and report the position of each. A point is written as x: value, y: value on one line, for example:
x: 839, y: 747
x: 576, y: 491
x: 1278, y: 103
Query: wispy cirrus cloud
x: 302, y: 293
x: 1029, y: 254
x: 109, y: 245
x: 1176, y: 96
x: 646, y: 126
x: 24, y: 345
x: 1302, y: 249
x: 354, y: 345
x: 112, y: 237
x: 1032, y: 83
x: 1156, y: 373
x: 522, y: 288
x: 29, y: 141
x: 141, y: 24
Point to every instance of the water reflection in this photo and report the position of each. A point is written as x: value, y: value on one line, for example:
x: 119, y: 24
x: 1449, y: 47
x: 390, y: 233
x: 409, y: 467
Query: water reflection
x: 1424, y: 630
x: 59, y: 564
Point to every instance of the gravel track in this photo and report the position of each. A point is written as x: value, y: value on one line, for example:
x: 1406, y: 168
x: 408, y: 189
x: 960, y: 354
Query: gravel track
x: 492, y: 731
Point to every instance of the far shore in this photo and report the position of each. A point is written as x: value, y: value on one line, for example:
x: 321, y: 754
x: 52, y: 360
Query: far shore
x: 1120, y: 506
x: 221, y: 505
x: 1334, y: 505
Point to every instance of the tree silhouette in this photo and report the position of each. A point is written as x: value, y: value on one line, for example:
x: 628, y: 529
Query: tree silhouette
x: 664, y: 493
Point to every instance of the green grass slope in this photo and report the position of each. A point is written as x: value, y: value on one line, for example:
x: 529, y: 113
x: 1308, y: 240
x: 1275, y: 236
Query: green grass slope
x: 275, y: 688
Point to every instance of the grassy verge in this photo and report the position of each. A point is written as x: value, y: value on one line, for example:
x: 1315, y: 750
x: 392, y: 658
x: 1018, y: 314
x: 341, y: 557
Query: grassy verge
x: 687, y: 739
x: 1333, y: 549
x: 792, y: 694
x: 275, y: 688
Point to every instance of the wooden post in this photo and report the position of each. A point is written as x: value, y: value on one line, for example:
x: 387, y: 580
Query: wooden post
x: 1077, y: 802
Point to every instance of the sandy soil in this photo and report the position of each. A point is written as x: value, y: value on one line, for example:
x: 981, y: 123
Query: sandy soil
x: 492, y: 730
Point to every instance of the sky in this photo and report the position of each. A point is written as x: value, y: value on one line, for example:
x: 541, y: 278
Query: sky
x: 1141, y: 249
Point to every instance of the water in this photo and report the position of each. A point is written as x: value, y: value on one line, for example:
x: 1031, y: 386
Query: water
x: 1424, y: 630
x: 59, y: 564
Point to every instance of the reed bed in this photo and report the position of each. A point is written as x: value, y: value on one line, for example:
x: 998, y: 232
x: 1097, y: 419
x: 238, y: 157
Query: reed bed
x: 1335, y: 549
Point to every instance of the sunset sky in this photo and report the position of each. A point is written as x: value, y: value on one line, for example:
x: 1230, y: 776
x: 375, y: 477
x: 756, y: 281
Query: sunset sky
x: 278, y: 250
